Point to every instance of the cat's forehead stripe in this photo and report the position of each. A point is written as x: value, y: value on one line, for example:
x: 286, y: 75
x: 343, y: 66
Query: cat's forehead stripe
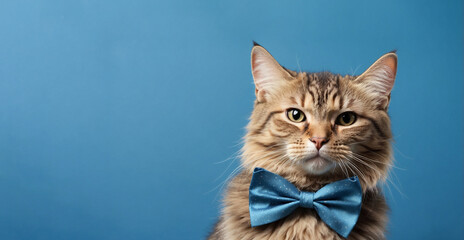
x: 303, y: 98
x: 321, y: 93
x: 293, y: 100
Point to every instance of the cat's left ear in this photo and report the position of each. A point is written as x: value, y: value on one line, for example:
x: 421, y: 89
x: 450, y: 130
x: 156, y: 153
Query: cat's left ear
x: 379, y: 78
x: 268, y: 75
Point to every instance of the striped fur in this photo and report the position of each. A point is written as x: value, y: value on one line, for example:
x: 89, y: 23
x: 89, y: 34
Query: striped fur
x: 280, y: 146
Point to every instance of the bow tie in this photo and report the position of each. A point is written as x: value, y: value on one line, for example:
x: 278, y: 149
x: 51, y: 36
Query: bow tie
x: 272, y: 197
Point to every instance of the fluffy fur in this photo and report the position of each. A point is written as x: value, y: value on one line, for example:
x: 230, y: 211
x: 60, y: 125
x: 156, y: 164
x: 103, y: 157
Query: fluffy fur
x: 287, y: 148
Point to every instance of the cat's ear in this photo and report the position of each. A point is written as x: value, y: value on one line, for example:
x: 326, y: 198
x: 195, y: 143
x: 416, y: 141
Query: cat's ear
x: 379, y: 78
x: 268, y: 75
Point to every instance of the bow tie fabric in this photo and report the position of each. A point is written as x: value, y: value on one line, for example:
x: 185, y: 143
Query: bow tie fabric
x: 272, y: 197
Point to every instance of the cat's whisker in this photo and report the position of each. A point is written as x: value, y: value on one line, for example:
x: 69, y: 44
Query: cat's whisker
x: 222, y: 184
x: 377, y: 171
x: 387, y: 179
x: 348, y: 170
x: 223, y: 172
x: 232, y: 174
x: 396, y: 177
x: 355, y: 158
x: 353, y: 172
x: 373, y: 152
x: 389, y: 188
x: 277, y: 157
x: 375, y: 161
x: 269, y: 153
x: 343, y: 168
x: 356, y: 169
x: 397, y: 188
x: 234, y: 156
x: 401, y: 153
x: 369, y: 159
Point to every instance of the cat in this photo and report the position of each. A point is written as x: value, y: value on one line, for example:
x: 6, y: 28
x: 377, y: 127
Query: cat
x: 314, y: 129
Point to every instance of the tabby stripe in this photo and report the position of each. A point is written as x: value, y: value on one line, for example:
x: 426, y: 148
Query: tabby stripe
x: 340, y: 103
x: 308, y: 82
x: 305, y: 127
x: 320, y: 99
x: 293, y: 100
x: 369, y: 148
x: 277, y: 135
x: 334, y: 129
x: 283, y: 124
x: 271, y: 145
x: 269, y: 116
x: 376, y: 126
x: 334, y: 96
x: 312, y: 95
x: 350, y: 103
x: 303, y: 98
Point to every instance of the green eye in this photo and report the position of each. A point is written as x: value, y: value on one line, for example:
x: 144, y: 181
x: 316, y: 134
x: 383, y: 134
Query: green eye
x: 295, y: 115
x: 346, y: 119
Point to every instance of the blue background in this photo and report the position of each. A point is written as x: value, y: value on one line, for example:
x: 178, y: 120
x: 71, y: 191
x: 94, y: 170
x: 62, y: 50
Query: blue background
x: 120, y: 119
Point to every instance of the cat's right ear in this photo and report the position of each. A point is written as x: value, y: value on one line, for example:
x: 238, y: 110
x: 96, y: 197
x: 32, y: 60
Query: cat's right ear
x: 268, y: 75
x: 377, y: 81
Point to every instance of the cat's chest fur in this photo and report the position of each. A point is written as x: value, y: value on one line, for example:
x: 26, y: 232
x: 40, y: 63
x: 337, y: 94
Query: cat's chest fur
x: 301, y: 224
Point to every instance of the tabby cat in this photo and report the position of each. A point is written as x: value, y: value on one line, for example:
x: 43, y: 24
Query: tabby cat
x: 314, y: 129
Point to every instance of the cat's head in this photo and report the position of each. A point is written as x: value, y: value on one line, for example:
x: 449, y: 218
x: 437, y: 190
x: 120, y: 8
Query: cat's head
x: 320, y: 126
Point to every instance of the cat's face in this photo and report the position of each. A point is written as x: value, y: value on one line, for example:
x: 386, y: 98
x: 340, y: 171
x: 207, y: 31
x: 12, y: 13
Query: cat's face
x: 320, y: 124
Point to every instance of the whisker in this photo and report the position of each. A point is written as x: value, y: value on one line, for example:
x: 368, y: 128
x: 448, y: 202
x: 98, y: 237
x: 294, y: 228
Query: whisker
x: 397, y: 150
x: 353, y: 157
x: 343, y: 167
x: 397, y: 188
x: 228, y: 166
x: 377, y: 171
x: 357, y: 170
x: 221, y: 185
x: 375, y: 161
x: 236, y: 154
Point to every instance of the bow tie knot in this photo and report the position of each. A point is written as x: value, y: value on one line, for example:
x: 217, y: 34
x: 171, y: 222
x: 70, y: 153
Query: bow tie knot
x: 306, y: 199
x: 272, y: 197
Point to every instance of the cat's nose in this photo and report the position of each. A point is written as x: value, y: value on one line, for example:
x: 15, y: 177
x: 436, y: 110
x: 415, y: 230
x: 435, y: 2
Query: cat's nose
x: 319, y: 141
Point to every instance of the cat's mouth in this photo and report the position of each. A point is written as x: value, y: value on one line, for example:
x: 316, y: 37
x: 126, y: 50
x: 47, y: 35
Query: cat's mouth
x: 318, y: 160
x: 317, y: 165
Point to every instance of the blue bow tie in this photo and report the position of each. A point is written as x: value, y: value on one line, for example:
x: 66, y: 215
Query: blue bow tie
x: 272, y: 197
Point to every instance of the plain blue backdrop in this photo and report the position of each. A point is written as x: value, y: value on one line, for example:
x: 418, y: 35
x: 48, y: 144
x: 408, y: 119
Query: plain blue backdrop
x: 120, y: 119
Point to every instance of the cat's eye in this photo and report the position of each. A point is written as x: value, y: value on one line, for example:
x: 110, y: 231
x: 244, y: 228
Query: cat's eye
x: 295, y: 115
x: 346, y: 119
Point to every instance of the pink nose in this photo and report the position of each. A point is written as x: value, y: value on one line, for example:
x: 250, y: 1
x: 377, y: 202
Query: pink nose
x: 319, y: 141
